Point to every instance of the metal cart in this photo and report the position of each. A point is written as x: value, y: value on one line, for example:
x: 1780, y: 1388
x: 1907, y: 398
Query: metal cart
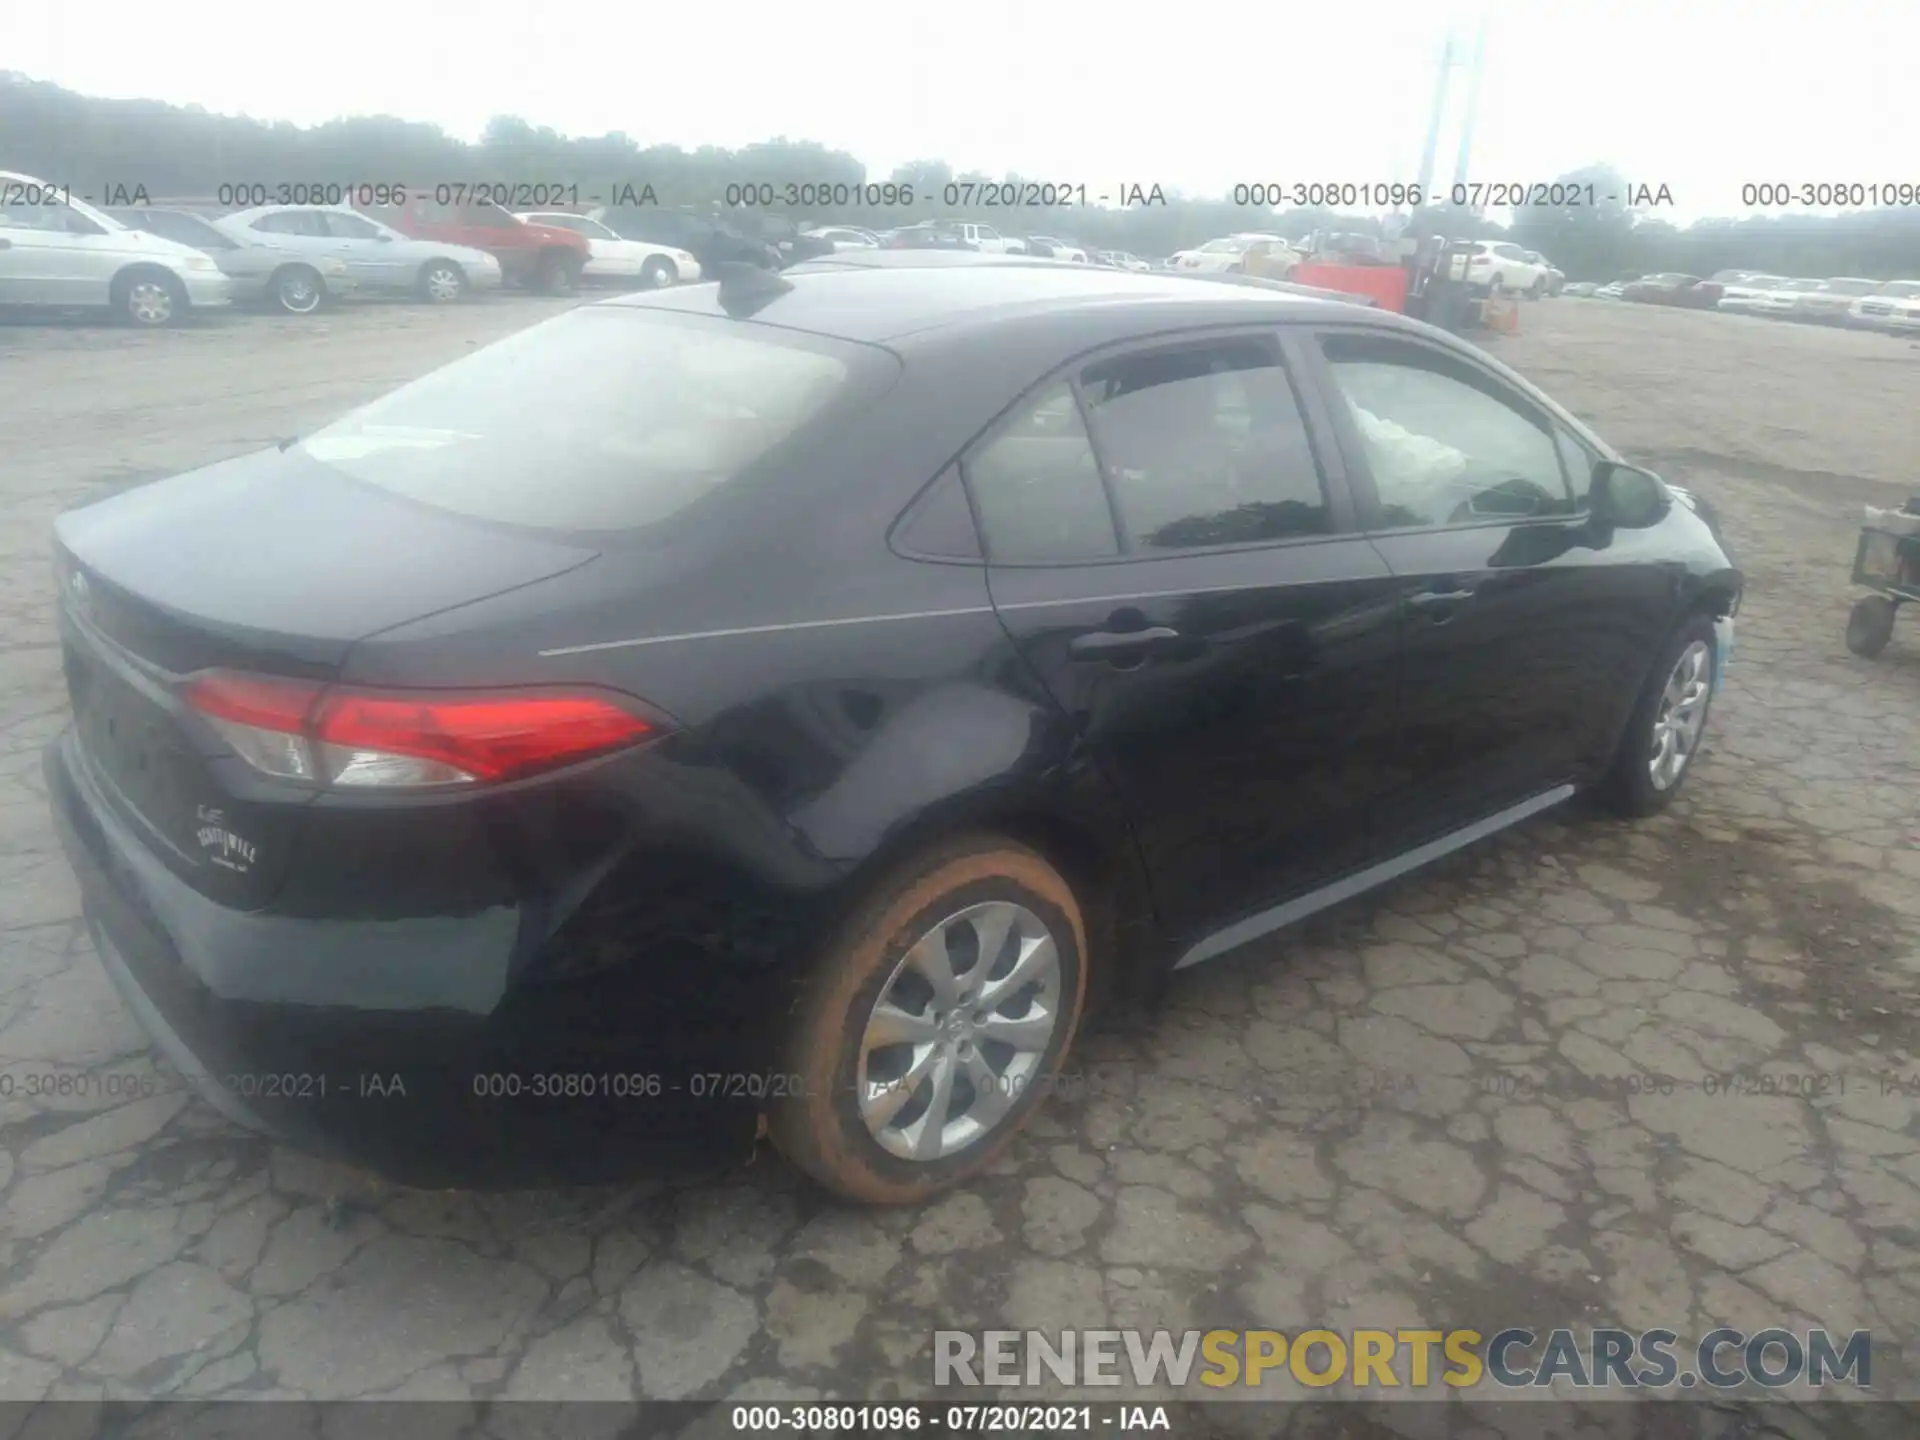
x: 1886, y: 562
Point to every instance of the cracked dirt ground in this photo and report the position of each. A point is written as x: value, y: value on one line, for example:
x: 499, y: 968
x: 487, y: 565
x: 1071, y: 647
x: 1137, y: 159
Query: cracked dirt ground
x: 1415, y: 1111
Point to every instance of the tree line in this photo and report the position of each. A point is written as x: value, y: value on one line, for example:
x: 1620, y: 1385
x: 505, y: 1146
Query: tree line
x: 90, y: 145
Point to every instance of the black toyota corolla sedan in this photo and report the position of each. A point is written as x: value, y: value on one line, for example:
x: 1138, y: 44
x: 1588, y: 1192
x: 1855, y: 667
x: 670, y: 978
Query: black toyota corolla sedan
x: 782, y: 706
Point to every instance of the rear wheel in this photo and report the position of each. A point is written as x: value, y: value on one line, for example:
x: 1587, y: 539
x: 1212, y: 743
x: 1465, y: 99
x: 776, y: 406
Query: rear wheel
x: 936, y: 1020
x: 1870, y: 625
x: 1668, y: 724
x: 1497, y: 284
x: 150, y: 299
x: 442, y: 282
x: 557, y: 273
x: 297, y: 289
x: 658, y: 273
x: 1538, y: 291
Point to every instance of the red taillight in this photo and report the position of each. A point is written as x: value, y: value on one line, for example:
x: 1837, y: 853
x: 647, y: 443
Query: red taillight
x: 390, y: 739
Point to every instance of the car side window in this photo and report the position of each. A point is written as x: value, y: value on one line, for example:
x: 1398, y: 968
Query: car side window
x: 939, y: 525
x: 1578, y: 461
x: 350, y: 227
x: 1036, y: 487
x: 1205, y: 445
x: 291, y: 222
x: 1445, y: 444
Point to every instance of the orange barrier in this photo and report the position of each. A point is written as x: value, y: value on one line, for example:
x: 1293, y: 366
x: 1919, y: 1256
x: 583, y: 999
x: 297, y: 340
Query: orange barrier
x: 1387, y: 284
x: 1501, y: 315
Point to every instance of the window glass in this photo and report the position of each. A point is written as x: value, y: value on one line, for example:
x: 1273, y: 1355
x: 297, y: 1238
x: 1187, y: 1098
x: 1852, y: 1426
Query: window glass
x: 1444, y: 446
x: 1037, y: 488
x: 21, y: 216
x: 485, y: 214
x: 1578, y: 461
x: 291, y: 222
x: 351, y: 227
x: 940, y: 523
x: 547, y: 429
x: 1205, y: 446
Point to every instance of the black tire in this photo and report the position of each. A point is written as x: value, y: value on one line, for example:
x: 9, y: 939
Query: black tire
x: 1870, y: 625
x: 1629, y: 787
x: 1539, y: 290
x: 150, y: 299
x: 296, y: 289
x: 557, y: 274
x: 1497, y: 285
x: 441, y: 282
x: 821, y: 1130
x: 658, y: 273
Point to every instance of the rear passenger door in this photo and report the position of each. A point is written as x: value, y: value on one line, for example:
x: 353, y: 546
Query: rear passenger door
x: 1170, y: 544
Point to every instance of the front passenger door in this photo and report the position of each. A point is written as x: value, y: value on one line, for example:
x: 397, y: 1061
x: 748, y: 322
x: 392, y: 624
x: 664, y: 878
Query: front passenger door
x: 1520, y: 628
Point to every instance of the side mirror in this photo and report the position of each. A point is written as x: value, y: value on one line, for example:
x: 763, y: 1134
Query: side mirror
x: 1624, y: 497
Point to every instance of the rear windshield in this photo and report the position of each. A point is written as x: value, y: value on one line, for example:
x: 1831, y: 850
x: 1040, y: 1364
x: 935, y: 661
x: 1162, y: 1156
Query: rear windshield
x: 601, y: 419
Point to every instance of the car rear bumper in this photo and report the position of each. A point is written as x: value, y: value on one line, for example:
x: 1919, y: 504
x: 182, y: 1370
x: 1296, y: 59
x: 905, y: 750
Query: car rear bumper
x: 445, y: 1090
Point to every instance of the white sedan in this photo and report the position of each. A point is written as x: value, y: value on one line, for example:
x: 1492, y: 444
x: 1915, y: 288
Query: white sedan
x: 1219, y: 256
x: 1742, y: 294
x: 1894, y: 307
x: 609, y: 257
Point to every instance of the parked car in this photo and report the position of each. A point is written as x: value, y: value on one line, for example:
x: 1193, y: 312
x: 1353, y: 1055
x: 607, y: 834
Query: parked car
x: 379, y: 259
x: 1783, y: 301
x: 642, y: 262
x: 1743, y: 294
x: 261, y: 272
x: 847, y: 237
x: 545, y: 258
x: 1227, y: 253
x: 1556, y: 279
x: 1730, y: 278
x: 1582, y: 288
x: 1614, y: 290
x: 982, y: 237
x: 1833, y: 304
x: 1688, y: 291
x: 931, y: 235
x: 1500, y: 267
x: 1059, y: 249
x: 587, y: 789
x: 710, y: 240
x: 1895, y: 306
x: 60, y: 253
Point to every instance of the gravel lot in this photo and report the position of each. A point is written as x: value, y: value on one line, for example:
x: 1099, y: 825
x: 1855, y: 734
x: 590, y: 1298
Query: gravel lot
x: 1412, y: 1112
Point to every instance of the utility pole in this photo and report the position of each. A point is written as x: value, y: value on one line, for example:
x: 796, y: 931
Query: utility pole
x: 1474, y: 74
x: 1431, y: 153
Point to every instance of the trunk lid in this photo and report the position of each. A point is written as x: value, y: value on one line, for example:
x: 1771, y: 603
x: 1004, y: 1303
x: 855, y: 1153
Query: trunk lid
x: 272, y: 564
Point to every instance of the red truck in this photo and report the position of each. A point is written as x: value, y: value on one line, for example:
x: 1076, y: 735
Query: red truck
x: 540, y: 257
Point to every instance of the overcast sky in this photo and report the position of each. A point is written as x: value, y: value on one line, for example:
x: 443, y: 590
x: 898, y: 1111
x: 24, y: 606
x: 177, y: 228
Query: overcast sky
x: 1699, y: 95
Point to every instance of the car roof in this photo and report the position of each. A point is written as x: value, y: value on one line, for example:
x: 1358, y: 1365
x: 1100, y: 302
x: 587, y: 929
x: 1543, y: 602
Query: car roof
x: 880, y: 303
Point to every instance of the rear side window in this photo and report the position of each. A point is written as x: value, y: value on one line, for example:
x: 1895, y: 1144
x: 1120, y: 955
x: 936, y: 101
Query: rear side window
x: 1205, y: 445
x: 1037, y: 488
x: 610, y: 419
x: 291, y: 222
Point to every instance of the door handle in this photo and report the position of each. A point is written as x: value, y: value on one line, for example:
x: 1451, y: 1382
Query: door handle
x: 1428, y: 598
x: 1119, y: 644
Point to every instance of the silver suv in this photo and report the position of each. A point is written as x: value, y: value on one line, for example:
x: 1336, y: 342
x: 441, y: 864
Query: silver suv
x: 59, y: 252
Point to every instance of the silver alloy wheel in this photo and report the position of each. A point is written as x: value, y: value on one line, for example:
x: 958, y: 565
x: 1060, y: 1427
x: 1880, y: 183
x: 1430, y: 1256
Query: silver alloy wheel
x: 150, y: 302
x: 298, y: 291
x: 1682, y: 715
x: 443, y: 283
x: 959, y: 1030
